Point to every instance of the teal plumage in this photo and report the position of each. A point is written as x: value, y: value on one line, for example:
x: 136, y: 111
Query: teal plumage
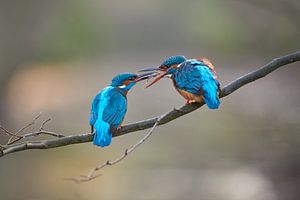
x: 197, y: 78
x: 108, y: 110
x: 110, y: 106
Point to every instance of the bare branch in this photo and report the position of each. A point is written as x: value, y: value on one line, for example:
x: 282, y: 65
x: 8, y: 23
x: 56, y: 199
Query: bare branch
x: 92, y: 175
x: 167, y: 117
x: 42, y: 132
x: 15, y: 137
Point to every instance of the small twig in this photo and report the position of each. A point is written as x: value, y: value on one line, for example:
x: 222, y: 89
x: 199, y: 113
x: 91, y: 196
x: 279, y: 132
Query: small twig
x: 16, y: 135
x: 10, y: 141
x: 8, y: 133
x: 92, y: 174
x: 43, y: 124
x: 29, y: 124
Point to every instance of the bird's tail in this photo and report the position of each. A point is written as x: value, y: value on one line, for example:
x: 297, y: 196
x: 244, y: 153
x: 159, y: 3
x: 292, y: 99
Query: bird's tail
x: 210, y: 87
x: 102, y: 135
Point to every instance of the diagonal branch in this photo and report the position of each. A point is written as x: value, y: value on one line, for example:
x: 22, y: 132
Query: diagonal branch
x: 167, y: 117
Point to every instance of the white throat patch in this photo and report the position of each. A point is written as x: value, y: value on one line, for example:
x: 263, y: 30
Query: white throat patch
x: 122, y: 86
x: 179, y: 65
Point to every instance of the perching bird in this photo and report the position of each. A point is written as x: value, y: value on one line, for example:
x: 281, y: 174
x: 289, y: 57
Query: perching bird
x: 110, y: 105
x: 194, y: 79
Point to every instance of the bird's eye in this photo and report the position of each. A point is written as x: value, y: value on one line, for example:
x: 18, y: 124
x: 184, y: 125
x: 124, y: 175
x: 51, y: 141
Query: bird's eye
x: 131, y: 78
x: 163, y: 67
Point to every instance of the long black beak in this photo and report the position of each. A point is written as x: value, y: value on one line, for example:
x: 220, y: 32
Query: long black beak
x: 158, y: 73
x: 150, y: 69
x: 145, y: 76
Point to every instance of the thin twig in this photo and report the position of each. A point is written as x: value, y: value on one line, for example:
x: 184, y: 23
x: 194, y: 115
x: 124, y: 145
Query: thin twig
x: 15, y: 137
x: 43, y: 124
x: 92, y: 175
x: 29, y: 124
x: 8, y: 133
x: 169, y: 116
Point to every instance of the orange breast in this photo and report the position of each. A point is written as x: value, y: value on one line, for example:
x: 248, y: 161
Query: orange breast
x: 190, y: 96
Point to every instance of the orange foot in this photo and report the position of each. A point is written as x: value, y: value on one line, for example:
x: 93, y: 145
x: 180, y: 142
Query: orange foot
x: 190, y: 101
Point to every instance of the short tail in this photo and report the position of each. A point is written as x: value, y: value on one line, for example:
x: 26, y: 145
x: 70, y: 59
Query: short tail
x: 210, y: 88
x: 102, y: 136
x: 211, y: 99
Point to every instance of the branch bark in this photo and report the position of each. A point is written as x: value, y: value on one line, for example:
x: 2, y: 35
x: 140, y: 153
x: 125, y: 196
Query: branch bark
x: 163, y: 119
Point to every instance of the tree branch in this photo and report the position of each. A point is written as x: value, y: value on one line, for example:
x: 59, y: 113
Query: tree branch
x: 167, y: 117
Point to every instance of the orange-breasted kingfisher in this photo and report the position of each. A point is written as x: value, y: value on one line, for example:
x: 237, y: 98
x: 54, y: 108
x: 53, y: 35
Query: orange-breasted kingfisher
x: 194, y: 79
x: 110, y: 105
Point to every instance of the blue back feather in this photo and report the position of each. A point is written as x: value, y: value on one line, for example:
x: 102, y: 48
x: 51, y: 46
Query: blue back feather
x: 108, y: 110
x: 209, y: 87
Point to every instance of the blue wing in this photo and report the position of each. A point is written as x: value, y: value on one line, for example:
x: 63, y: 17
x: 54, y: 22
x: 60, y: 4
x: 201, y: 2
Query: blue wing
x: 187, y: 78
x: 116, y: 108
x: 94, y: 109
x: 107, y: 112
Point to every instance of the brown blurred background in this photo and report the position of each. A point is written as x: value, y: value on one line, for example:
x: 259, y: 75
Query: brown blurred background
x: 56, y: 55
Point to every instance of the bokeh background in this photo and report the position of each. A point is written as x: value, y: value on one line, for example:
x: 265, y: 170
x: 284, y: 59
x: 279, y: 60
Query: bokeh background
x: 56, y: 55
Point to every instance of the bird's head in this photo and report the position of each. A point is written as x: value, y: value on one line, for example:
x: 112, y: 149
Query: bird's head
x: 168, y: 67
x: 126, y: 81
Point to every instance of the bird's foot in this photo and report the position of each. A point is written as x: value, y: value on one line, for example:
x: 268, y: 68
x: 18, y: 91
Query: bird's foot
x: 191, y: 101
x: 92, y: 130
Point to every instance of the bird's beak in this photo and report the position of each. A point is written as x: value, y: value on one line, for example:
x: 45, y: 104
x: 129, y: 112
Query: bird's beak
x: 158, y: 77
x: 145, y: 76
x: 150, y: 69
x: 157, y: 73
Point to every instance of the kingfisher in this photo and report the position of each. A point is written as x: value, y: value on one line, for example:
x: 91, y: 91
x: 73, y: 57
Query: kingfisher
x: 194, y: 79
x: 110, y: 105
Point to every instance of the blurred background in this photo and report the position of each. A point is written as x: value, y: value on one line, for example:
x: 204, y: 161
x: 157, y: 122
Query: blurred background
x: 56, y: 55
